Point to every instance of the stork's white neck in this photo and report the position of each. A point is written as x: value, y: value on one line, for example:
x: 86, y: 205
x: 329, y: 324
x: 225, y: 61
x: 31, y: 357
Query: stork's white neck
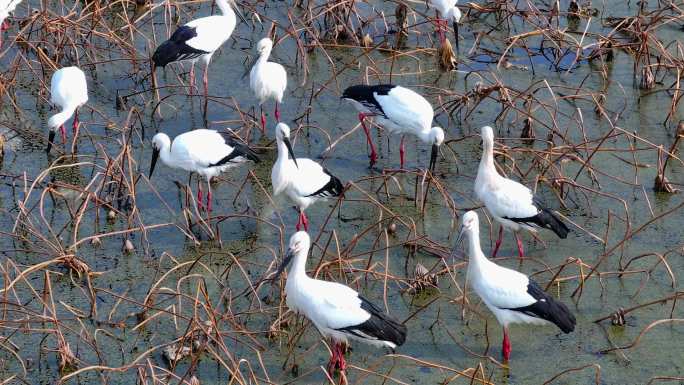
x: 225, y: 7
x: 283, y: 154
x: 165, y: 152
x: 61, y: 117
x: 264, y: 55
x: 477, y: 259
x: 298, y: 268
x: 486, y: 168
x: 424, y: 135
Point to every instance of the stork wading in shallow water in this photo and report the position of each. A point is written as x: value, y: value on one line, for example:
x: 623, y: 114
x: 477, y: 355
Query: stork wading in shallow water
x: 337, y: 311
x: 446, y: 10
x: 399, y: 110
x: 205, y: 152
x: 509, y: 202
x: 197, y: 40
x: 303, y: 180
x: 267, y: 80
x: 69, y: 91
x: 510, y: 295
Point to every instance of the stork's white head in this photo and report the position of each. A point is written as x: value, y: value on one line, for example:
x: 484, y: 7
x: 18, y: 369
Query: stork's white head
x: 437, y: 136
x: 470, y: 225
x: 299, y: 242
x: 487, y: 136
x: 470, y: 221
x: 298, y: 248
x: 282, y: 131
x: 283, y: 136
x: 264, y: 46
x: 454, y: 14
x: 160, y: 142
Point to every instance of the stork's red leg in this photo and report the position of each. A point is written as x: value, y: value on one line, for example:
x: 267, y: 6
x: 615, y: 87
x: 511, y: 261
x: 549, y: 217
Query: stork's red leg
x: 506, y: 346
x: 200, y: 205
x: 520, y: 246
x: 3, y: 27
x: 341, y: 362
x: 62, y: 132
x: 333, y: 360
x: 401, y: 153
x: 498, y: 241
x: 373, y: 155
x: 192, y: 76
x: 277, y: 112
x: 299, y: 222
x: 305, y: 222
x: 263, y: 120
x: 209, y: 202
x: 74, y: 127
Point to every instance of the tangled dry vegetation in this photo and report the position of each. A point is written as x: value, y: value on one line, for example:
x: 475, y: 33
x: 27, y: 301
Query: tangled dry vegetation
x: 106, y: 280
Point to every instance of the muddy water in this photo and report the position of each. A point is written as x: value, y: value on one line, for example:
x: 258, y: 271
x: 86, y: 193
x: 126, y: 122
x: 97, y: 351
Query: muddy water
x: 442, y: 334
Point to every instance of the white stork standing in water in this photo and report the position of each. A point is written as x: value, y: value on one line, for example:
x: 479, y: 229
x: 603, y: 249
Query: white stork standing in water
x: 399, y: 110
x: 268, y: 80
x: 198, y: 39
x: 205, y: 152
x: 510, y: 295
x: 303, y: 180
x: 509, y: 202
x: 69, y: 91
x: 337, y: 311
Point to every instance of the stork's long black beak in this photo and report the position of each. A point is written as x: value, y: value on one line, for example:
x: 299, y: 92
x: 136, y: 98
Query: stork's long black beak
x: 51, y: 139
x: 433, y: 157
x: 286, y: 261
x: 238, y: 11
x: 155, y: 156
x: 455, y: 24
x: 289, y: 149
x: 250, y: 65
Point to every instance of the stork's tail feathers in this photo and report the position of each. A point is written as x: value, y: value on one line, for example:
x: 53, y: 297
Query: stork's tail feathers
x: 562, y: 317
x: 166, y: 53
x: 553, y: 223
x: 338, y: 187
x: 548, y: 308
x: 380, y: 326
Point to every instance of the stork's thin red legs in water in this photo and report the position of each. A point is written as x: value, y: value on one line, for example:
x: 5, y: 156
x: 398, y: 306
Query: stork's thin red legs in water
x: 506, y: 346
x: 302, y: 221
x: 62, y: 131
x: 337, y: 360
x: 263, y: 120
x: 498, y: 241
x: 520, y: 246
x: 74, y: 127
x: 209, y: 202
x: 200, y: 205
x: 373, y: 154
x: 3, y: 27
x: 401, y: 153
x: 299, y: 221
x: 192, y: 76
